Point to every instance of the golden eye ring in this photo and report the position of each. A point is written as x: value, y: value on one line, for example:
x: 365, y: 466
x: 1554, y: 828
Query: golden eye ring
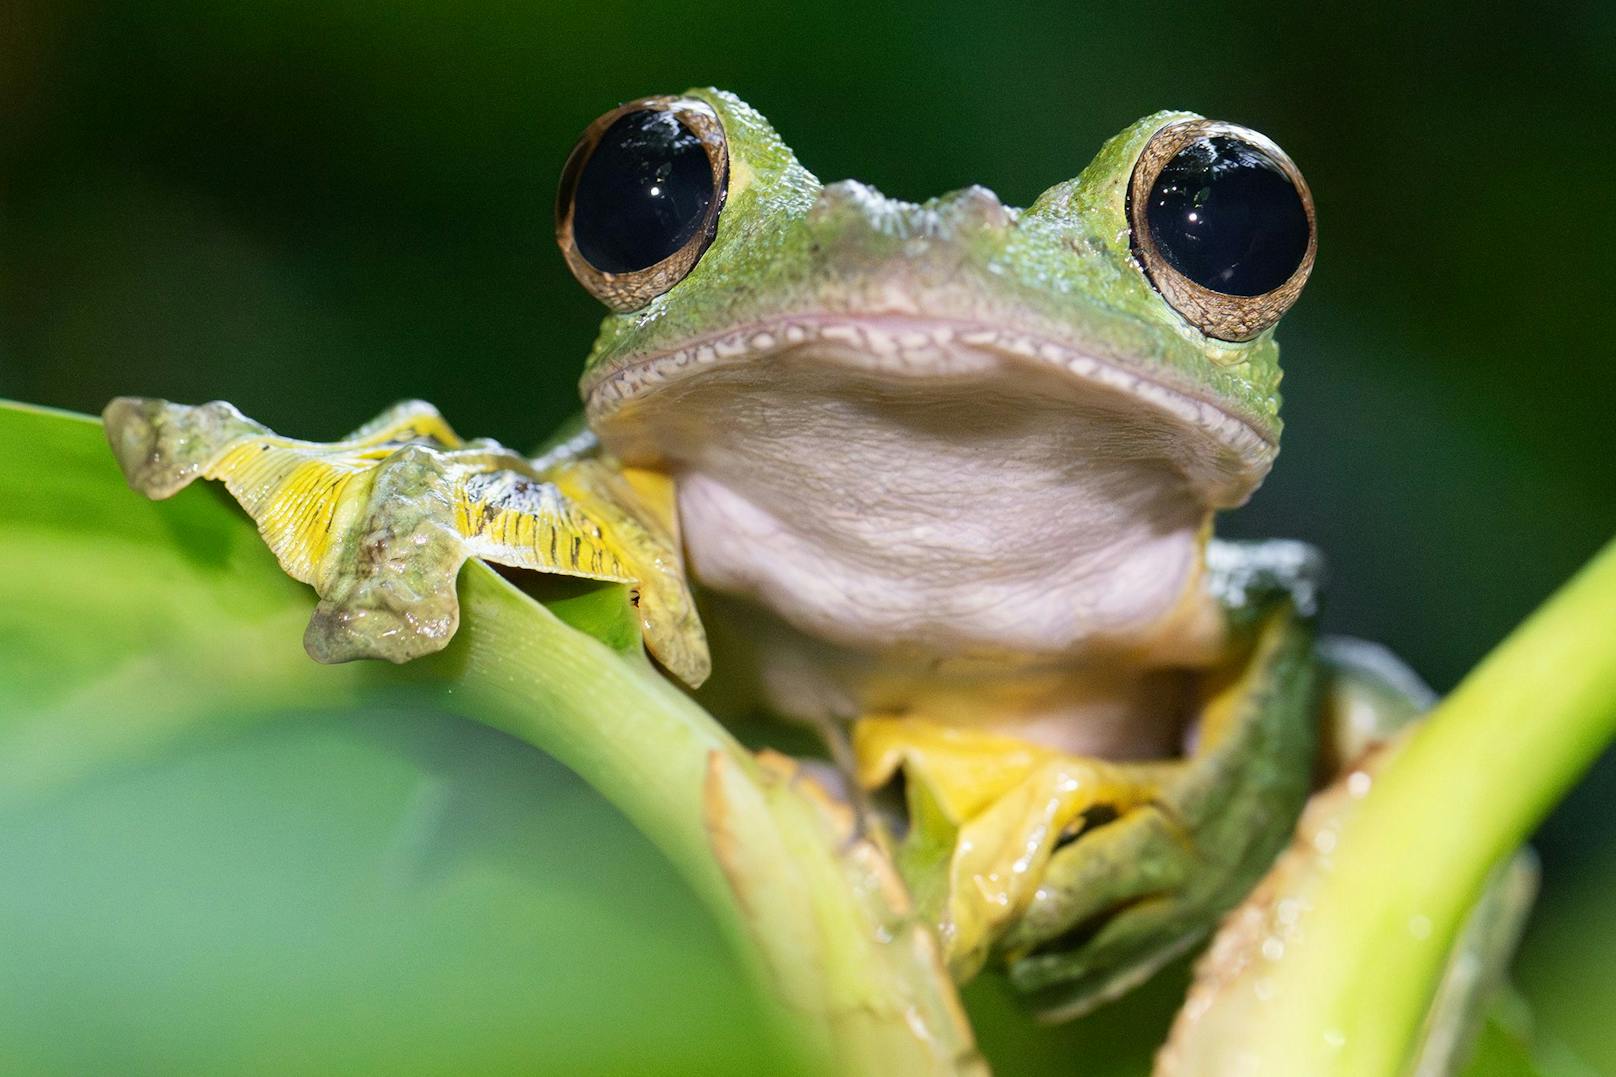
x: 1222, y: 224
x: 640, y: 197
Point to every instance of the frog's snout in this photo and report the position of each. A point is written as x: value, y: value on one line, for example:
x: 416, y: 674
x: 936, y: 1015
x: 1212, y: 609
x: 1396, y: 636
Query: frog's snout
x: 972, y: 208
x: 849, y: 204
x: 855, y: 211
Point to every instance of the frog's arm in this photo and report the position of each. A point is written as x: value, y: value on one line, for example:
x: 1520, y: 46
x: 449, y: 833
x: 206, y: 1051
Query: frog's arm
x: 1086, y: 876
x: 380, y: 522
x: 1288, y: 716
x: 1123, y: 899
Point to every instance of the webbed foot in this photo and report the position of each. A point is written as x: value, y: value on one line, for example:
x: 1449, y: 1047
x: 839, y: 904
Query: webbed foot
x: 381, y: 522
x: 1085, y: 876
x: 986, y: 814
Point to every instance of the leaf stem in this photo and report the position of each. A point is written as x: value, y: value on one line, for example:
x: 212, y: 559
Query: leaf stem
x: 1412, y: 858
x: 190, y: 612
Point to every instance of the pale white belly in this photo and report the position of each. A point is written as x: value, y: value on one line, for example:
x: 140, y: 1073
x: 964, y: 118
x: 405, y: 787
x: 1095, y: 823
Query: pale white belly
x: 994, y: 544
x: 966, y: 521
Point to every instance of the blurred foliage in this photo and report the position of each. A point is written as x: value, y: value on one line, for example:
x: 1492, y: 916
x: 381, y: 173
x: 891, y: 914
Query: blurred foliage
x: 327, y: 893
x: 211, y: 839
x: 221, y: 856
x: 315, y: 208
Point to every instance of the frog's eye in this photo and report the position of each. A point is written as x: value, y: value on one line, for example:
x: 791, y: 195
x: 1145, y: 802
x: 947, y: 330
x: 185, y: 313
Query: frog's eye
x: 640, y: 196
x: 1222, y: 223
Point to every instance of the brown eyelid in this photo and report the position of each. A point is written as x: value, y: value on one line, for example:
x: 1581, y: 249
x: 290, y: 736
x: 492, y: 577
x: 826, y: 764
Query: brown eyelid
x: 630, y: 291
x: 1224, y: 317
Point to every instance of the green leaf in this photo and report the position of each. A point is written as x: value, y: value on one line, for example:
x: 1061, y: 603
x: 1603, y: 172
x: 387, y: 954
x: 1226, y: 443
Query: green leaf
x: 223, y: 857
x: 132, y: 626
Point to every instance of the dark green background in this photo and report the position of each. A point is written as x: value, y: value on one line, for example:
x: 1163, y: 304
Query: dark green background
x: 315, y: 208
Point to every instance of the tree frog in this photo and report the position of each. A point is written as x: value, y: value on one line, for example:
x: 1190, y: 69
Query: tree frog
x: 938, y: 477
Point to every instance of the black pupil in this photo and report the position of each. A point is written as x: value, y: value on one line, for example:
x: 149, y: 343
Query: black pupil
x: 1224, y: 213
x: 642, y: 194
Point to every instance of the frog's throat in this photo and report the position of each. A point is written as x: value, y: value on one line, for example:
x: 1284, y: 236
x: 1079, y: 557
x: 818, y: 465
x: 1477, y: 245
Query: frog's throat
x: 1224, y: 455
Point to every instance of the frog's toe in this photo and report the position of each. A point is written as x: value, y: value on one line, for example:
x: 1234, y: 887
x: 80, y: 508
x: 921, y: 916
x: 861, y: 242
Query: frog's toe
x: 1125, y: 951
x: 346, y: 631
x: 1110, y: 910
x: 1101, y: 871
x: 389, y: 590
x: 381, y: 522
x: 162, y: 447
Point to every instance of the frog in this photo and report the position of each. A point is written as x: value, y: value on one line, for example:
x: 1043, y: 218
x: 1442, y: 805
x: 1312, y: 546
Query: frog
x: 934, y: 480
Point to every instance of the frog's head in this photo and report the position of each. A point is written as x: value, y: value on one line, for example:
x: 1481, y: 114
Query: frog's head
x: 1145, y: 289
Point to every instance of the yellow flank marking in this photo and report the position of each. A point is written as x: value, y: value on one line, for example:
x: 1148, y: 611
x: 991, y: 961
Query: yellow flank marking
x: 1010, y: 801
x: 313, y: 504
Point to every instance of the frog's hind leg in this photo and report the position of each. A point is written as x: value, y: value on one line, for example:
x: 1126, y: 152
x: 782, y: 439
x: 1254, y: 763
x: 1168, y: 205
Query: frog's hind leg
x: 1368, y: 696
x: 985, y: 814
x: 1120, y: 901
x: 1127, y: 890
x: 380, y: 522
x: 1475, y: 983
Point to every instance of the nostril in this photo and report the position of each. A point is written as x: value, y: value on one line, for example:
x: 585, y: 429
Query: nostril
x: 975, y: 206
x: 845, y: 195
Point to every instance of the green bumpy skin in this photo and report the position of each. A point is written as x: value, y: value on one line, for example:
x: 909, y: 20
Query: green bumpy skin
x: 1135, y: 861
x: 1066, y: 264
x: 1125, y: 897
x: 381, y: 522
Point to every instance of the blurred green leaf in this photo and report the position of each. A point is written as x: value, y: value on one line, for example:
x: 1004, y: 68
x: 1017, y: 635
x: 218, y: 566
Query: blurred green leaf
x: 203, y: 877
x: 213, y: 840
x: 209, y: 628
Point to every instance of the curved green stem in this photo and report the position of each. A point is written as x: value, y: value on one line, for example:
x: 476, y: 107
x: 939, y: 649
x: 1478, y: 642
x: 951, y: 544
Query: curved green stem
x: 1385, y: 904
x: 178, y: 603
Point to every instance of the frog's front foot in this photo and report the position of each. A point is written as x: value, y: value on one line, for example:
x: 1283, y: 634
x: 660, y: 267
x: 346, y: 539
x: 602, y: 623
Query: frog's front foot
x: 986, y: 815
x: 1085, y: 876
x: 381, y: 522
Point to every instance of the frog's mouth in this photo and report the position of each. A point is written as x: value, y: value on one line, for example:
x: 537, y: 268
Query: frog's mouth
x: 1222, y: 455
